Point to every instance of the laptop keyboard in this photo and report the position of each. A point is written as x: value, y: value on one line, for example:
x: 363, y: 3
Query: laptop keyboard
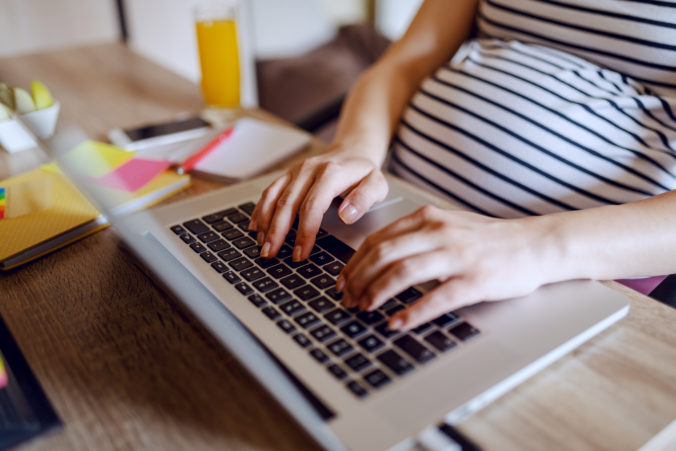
x: 356, y: 347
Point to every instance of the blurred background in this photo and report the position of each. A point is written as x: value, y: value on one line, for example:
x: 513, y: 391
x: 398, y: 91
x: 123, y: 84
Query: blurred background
x: 299, y: 56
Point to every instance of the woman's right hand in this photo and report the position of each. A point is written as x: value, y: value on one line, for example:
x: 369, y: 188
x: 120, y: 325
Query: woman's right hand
x: 307, y: 189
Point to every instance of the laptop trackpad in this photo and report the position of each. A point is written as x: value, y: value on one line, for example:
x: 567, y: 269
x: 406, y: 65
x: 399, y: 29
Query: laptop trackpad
x: 378, y: 217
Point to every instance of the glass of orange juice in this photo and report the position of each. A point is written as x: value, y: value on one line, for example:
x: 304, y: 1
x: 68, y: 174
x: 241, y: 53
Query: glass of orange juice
x: 216, y: 27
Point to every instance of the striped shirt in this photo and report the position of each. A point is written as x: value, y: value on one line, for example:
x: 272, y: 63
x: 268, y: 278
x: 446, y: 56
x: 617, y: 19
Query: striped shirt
x: 558, y: 105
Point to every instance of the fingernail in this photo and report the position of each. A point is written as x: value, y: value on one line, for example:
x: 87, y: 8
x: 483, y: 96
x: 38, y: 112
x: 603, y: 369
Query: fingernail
x: 340, y: 283
x: 348, y: 214
x: 253, y: 225
x: 296, y: 253
x: 266, y: 250
x: 395, y: 324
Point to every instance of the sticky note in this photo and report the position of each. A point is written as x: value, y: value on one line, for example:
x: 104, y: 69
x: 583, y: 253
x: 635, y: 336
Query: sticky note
x: 24, y: 198
x: 95, y: 159
x: 133, y: 175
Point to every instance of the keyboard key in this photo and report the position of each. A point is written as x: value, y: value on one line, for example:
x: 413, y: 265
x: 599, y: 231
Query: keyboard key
x: 409, y: 295
x: 306, y: 292
x: 334, y: 268
x: 377, y: 378
x: 421, y: 329
x: 306, y: 320
x: 370, y: 317
x: 221, y: 226
x: 187, y: 239
x: 464, y: 331
x: 231, y: 277
x: 284, y: 252
x: 440, y: 341
x: 266, y: 262
x: 337, y: 371
x: 323, y: 281
x: 253, y: 252
x: 271, y: 313
x: 371, y: 343
x: 197, y: 247
x: 251, y: 274
x: 229, y: 254
x: 212, y: 218
x: 309, y: 271
x: 196, y: 226
x: 321, y: 304
x: 218, y: 245
x: 219, y: 266
x: 264, y: 284
x: 385, y: 331
x: 321, y: 233
x: 208, y: 237
x: 244, y: 288
x: 302, y: 340
x: 237, y: 217
x: 232, y: 234
x: 257, y: 300
x: 286, y: 326
x: 244, y: 242
x: 322, y: 333
x: 292, y: 264
x: 278, y: 295
x: 394, y: 310
x: 315, y: 250
x: 357, y: 362
x: 413, y: 348
x: 292, y: 307
x: 208, y: 257
x: 337, y: 248
x: 178, y: 230
x: 445, y: 319
x: 290, y: 238
x: 339, y: 347
x: 319, y: 355
x: 356, y: 389
x: 353, y: 329
x: 337, y: 316
x: 244, y: 226
x: 248, y: 207
x: 389, y: 304
x: 292, y: 281
x: 279, y: 271
x: 334, y: 294
x: 241, y: 263
x: 395, y: 362
x: 321, y: 258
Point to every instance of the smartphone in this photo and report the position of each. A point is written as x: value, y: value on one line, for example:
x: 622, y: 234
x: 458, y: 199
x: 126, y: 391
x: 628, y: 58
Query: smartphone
x: 160, y: 133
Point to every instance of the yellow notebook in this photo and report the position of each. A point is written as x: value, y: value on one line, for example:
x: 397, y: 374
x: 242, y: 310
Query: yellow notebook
x: 44, y: 211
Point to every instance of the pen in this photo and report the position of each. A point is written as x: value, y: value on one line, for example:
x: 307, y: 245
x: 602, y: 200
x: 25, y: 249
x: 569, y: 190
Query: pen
x: 195, y: 158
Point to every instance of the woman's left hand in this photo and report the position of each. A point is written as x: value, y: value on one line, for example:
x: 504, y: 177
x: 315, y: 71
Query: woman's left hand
x: 476, y: 258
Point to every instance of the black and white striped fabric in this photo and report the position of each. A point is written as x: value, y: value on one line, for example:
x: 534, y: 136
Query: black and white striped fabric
x: 559, y: 105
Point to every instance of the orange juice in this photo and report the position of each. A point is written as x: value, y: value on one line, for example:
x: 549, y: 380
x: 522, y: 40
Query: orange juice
x: 219, y: 61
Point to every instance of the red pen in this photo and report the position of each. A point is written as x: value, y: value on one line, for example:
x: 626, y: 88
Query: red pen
x: 195, y: 158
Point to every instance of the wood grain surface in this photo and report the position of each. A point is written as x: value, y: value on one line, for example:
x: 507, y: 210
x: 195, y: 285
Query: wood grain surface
x: 128, y: 367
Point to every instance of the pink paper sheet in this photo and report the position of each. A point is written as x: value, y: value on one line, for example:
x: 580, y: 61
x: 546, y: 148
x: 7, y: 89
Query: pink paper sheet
x: 133, y: 175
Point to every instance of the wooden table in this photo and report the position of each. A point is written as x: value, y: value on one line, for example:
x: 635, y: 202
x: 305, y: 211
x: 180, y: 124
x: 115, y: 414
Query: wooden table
x: 127, y: 366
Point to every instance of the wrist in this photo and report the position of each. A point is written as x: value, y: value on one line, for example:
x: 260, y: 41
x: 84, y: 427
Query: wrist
x: 360, y: 146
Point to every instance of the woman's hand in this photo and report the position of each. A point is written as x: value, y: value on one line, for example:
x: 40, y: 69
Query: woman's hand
x: 308, y: 189
x: 476, y: 258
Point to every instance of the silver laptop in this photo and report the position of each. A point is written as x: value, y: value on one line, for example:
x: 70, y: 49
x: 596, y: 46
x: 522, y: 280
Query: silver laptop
x: 345, y: 377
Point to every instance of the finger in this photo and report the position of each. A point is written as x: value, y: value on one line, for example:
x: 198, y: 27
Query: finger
x: 403, y: 225
x: 372, y: 189
x: 286, y: 208
x: 402, y: 274
x: 328, y: 184
x: 450, y: 295
x: 399, y: 252
x: 265, y: 208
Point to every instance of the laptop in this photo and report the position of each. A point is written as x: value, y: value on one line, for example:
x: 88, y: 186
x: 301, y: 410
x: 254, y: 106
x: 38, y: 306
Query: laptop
x: 346, y: 378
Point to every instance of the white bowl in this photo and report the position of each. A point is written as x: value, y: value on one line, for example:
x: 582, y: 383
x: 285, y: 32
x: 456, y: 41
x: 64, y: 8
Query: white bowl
x: 14, y: 138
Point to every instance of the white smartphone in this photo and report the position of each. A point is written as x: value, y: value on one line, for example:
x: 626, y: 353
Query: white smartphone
x: 160, y: 133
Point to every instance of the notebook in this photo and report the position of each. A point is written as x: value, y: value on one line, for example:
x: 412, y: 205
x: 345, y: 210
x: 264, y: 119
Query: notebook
x: 43, y: 211
x: 253, y: 147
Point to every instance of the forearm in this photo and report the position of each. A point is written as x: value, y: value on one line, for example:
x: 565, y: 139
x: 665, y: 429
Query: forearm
x: 635, y: 239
